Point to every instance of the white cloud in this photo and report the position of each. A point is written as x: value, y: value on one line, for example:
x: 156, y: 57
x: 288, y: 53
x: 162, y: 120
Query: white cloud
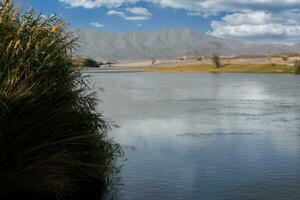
x: 133, y: 14
x: 115, y: 12
x: 139, y: 11
x: 253, y: 18
x: 194, y: 14
x: 89, y: 4
x: 245, y: 19
x: 203, y: 6
x: 139, y: 25
x: 136, y: 18
x: 259, y: 25
x: 211, y: 7
x: 97, y: 24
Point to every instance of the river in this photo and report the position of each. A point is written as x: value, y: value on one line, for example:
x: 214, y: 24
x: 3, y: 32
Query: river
x: 204, y: 136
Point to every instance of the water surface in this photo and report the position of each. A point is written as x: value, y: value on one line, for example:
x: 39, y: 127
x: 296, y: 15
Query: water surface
x: 205, y: 136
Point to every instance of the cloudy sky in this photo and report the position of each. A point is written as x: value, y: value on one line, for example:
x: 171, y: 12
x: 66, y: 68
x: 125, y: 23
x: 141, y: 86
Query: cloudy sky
x: 245, y: 20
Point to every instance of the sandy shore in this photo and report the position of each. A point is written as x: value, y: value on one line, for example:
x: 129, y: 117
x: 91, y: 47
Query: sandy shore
x: 230, y: 65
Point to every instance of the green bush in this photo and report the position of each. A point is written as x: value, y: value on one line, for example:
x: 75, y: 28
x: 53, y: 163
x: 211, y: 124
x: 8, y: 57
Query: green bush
x: 297, y: 67
x: 88, y: 62
x: 216, y: 59
x: 53, y: 143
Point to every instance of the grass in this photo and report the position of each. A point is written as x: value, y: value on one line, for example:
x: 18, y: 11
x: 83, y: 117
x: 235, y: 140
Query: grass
x: 238, y: 68
x: 53, y: 143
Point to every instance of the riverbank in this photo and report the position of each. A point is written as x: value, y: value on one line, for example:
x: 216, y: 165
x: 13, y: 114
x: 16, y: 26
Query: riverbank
x: 206, y: 68
x: 234, y: 68
x: 234, y: 65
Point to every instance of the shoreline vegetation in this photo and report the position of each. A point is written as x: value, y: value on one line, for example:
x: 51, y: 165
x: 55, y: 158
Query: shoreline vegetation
x: 274, y: 65
x: 53, y: 142
x: 237, y: 68
x: 206, y: 68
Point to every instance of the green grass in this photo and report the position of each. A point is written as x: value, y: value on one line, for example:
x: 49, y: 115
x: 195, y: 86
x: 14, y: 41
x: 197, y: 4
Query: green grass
x: 53, y: 143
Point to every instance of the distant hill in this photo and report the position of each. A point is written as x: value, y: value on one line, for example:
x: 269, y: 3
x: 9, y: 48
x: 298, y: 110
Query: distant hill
x: 167, y: 44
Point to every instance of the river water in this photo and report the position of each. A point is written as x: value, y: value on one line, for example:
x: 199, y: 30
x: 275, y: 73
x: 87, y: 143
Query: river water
x: 204, y: 136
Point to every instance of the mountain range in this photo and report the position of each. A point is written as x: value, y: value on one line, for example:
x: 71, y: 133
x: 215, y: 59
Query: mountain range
x: 167, y: 44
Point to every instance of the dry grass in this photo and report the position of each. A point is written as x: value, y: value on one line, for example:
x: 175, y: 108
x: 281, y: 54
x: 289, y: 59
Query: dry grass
x: 240, y: 68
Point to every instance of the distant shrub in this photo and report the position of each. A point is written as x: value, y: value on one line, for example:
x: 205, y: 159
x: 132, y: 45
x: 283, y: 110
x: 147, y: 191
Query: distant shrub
x: 199, y: 58
x: 285, y: 58
x: 216, y: 60
x: 89, y: 62
x: 153, y: 61
x: 53, y: 143
x: 297, y: 67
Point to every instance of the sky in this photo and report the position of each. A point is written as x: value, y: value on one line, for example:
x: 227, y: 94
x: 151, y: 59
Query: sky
x: 270, y: 21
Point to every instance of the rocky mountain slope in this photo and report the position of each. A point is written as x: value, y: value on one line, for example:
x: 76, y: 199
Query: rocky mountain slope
x: 167, y: 44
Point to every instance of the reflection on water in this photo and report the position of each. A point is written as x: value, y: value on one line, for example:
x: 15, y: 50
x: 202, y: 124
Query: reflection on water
x: 205, y: 136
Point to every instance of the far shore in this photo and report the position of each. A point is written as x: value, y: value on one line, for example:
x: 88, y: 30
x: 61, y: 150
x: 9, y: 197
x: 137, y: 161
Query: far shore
x: 241, y: 68
x: 229, y: 65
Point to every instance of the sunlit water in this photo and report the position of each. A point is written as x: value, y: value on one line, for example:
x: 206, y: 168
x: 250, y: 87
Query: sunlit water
x: 205, y: 136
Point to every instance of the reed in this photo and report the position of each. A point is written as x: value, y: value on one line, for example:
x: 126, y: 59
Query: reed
x: 53, y: 143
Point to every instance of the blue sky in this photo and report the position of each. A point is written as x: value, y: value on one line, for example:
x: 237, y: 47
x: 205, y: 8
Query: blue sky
x: 245, y: 20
